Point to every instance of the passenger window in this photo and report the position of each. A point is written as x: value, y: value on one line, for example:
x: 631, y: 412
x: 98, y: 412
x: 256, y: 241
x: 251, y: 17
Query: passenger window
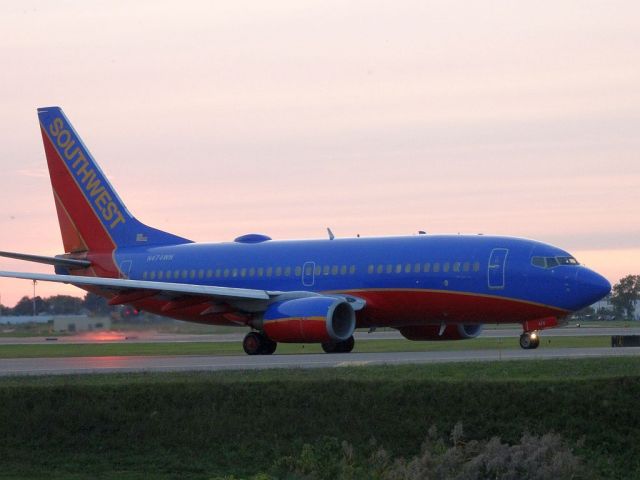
x: 334, y: 270
x: 252, y: 272
x: 436, y: 267
x: 389, y: 268
x: 243, y: 272
x: 445, y: 267
x: 144, y: 275
x: 318, y: 270
x: 352, y: 269
x: 427, y: 267
x: 152, y: 275
x: 160, y: 275
x: 370, y: 269
x: 379, y: 269
x: 299, y: 271
x: 269, y: 271
x: 476, y: 266
x: 234, y: 272
x: 466, y: 266
x: 278, y: 271
x: 209, y: 273
x: 416, y: 268
x: 456, y: 266
x: 192, y: 274
x: 168, y: 275
x: 184, y: 274
x: 226, y: 272
x: 200, y: 273
x: 287, y: 271
x: 260, y: 272
x: 325, y: 270
x: 398, y: 268
x: 343, y: 269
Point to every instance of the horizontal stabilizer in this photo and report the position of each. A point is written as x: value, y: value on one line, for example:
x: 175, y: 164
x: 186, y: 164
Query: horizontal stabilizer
x: 69, y: 263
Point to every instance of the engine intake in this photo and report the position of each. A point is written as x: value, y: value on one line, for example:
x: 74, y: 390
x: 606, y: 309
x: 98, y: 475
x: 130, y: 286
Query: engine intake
x: 432, y: 332
x: 311, y: 319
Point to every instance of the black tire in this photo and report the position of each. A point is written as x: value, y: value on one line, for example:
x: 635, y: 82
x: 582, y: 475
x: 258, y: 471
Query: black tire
x: 525, y: 340
x: 535, y: 342
x: 330, y: 347
x: 268, y: 346
x: 253, y: 343
x: 347, y: 345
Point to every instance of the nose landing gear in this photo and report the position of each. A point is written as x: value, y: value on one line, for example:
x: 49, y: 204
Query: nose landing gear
x: 529, y: 340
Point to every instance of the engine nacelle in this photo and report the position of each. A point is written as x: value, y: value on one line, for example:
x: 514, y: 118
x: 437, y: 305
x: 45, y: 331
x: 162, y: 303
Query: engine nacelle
x: 431, y: 332
x: 311, y: 319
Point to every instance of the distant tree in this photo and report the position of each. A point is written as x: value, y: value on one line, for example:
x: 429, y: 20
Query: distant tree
x: 96, y: 304
x: 624, y: 294
x: 25, y: 306
x: 64, y: 304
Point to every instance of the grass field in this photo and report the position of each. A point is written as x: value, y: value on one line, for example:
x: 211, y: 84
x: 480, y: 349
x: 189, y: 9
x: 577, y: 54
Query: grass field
x: 203, y: 425
x: 235, y: 348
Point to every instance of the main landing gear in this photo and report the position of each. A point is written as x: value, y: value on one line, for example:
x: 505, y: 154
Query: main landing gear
x: 255, y: 343
x: 339, y: 347
x: 529, y: 340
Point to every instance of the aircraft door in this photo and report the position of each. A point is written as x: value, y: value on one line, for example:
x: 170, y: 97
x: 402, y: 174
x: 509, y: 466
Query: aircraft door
x: 496, y: 268
x: 308, y: 275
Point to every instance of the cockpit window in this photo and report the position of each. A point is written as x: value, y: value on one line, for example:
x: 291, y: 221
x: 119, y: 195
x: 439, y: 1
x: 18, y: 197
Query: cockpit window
x: 551, y: 262
x: 567, y: 261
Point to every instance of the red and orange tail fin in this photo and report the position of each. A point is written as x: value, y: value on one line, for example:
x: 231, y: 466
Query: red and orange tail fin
x: 91, y: 215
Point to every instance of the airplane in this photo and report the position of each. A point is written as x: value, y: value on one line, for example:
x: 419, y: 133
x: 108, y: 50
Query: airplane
x: 428, y: 287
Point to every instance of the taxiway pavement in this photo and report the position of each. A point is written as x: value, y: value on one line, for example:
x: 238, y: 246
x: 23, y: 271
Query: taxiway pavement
x: 92, y: 365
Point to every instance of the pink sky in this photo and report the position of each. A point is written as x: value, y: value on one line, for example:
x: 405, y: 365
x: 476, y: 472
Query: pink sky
x: 215, y: 119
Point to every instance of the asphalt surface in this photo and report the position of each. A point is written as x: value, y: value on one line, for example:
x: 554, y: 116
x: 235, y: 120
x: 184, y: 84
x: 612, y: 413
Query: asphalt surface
x: 151, y: 337
x: 91, y: 365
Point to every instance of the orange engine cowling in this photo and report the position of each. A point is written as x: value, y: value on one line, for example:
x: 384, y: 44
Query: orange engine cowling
x: 311, y: 319
x: 432, y: 332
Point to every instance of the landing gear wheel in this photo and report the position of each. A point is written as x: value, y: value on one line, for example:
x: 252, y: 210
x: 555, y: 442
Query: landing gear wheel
x: 255, y: 343
x: 339, y: 347
x: 268, y: 347
x: 252, y: 343
x: 529, y: 340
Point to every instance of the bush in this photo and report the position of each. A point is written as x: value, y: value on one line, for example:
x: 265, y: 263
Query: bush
x: 534, y: 458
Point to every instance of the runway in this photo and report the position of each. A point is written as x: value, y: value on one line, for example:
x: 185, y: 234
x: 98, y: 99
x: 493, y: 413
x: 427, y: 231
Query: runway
x: 153, y: 337
x: 91, y: 365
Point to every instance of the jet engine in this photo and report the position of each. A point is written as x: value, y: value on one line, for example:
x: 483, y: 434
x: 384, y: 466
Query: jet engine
x: 432, y: 332
x: 311, y: 319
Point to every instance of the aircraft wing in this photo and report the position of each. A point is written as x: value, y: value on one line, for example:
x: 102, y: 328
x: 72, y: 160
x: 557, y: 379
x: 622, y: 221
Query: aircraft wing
x: 127, y: 291
x: 121, y: 285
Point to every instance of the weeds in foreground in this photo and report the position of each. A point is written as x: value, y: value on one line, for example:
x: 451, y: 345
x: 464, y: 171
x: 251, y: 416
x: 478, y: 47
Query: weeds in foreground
x: 455, y: 458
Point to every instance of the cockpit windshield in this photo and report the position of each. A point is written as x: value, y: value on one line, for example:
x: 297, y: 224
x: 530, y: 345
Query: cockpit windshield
x: 551, y: 262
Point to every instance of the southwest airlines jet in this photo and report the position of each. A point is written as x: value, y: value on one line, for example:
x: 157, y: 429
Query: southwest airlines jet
x: 428, y: 287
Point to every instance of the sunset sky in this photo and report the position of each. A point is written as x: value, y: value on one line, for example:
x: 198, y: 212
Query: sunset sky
x: 218, y: 118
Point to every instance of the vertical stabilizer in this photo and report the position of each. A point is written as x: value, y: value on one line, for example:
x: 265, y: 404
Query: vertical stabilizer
x: 91, y: 215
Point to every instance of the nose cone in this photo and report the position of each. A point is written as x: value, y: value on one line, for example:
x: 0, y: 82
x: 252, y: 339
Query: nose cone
x: 592, y: 286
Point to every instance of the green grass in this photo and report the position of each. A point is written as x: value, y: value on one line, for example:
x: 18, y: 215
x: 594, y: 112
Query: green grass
x: 235, y: 348
x: 199, y: 425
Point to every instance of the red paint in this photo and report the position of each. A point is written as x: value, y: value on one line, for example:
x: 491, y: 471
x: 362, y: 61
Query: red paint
x: 297, y: 330
x: 540, y: 324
